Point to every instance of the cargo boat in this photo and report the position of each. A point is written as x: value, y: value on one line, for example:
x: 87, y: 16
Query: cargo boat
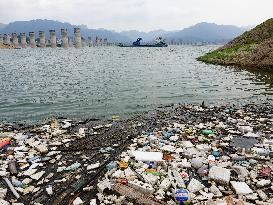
x: 159, y: 43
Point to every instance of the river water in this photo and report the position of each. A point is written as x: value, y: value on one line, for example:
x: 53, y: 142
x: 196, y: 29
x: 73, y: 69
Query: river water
x: 100, y: 82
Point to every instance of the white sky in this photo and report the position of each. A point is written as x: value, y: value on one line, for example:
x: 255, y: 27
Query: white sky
x: 142, y: 15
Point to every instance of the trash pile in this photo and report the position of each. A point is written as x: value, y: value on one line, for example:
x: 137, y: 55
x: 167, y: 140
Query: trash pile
x: 216, y: 156
x: 53, y: 162
x: 180, y: 154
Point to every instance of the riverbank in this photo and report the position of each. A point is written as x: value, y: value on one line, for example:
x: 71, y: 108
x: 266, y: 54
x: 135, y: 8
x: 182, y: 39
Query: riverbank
x: 253, y: 49
x: 214, y: 153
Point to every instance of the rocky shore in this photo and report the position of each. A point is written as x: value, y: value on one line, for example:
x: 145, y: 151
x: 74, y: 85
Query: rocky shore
x: 253, y: 49
x: 180, y: 154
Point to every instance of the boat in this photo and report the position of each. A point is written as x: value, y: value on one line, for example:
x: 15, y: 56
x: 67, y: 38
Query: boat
x: 159, y: 43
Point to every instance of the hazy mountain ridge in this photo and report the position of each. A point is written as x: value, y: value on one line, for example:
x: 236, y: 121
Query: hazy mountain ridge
x: 46, y: 25
x: 201, y: 32
x: 2, y: 25
x: 147, y: 36
x: 206, y: 32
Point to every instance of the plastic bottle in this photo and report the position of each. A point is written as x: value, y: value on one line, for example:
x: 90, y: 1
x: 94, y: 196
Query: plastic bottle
x: 72, y: 167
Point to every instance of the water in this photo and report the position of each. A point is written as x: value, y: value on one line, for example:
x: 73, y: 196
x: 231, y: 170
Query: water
x: 104, y: 81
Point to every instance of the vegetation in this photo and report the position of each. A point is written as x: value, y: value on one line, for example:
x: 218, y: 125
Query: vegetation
x: 253, y: 48
x: 227, y: 53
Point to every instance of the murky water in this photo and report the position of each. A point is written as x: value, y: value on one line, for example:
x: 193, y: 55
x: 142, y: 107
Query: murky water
x: 105, y: 81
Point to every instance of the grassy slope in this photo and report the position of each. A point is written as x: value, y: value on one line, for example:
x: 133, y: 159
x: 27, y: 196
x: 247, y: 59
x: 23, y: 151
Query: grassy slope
x: 240, y: 50
x: 220, y: 55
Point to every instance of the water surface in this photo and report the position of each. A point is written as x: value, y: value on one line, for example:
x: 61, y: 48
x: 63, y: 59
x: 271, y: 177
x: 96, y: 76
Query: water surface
x: 104, y: 81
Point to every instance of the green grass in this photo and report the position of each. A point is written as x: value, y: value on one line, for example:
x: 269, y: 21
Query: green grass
x: 225, y: 54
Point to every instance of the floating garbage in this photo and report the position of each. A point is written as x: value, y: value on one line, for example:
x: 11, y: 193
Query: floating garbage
x: 54, y: 124
x: 15, y: 193
x: 93, y: 166
x: 243, y: 142
x: 4, y: 142
x: 72, y: 167
x: 12, y: 167
x: 181, y: 154
x: 241, y: 188
x: 182, y: 196
x: 115, y: 117
x: 111, y: 165
x: 17, y: 183
x: 49, y: 190
x: 106, y: 149
x: 207, y: 132
x: 3, y: 193
x: 78, y: 201
x: 147, y: 156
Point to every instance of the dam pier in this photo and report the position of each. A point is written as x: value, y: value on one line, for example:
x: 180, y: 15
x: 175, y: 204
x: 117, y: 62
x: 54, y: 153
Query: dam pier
x: 65, y: 41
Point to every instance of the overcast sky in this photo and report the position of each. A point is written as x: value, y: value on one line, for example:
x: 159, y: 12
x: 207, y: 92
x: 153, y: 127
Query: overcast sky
x: 142, y: 15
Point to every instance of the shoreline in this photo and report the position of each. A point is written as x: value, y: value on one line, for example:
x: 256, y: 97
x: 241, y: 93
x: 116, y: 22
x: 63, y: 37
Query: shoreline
x: 250, y: 67
x: 74, y: 156
x: 267, y: 68
x: 252, y: 49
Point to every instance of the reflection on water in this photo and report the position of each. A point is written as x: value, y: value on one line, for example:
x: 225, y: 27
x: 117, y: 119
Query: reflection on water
x: 264, y: 78
x: 102, y: 81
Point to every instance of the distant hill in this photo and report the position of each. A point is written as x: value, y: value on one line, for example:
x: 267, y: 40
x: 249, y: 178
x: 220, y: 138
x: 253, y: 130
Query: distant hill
x: 2, y: 25
x: 147, y: 36
x: 253, y: 48
x: 46, y: 25
x: 206, y: 32
x: 201, y: 32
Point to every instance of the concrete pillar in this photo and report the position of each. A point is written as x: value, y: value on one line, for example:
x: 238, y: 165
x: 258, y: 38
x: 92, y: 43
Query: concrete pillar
x: 7, y: 39
x: 64, y: 38
x: 15, y: 40
x: 53, y: 40
x: 89, y: 41
x: 42, y: 39
x: 1, y: 39
x: 70, y: 42
x: 23, y: 40
x: 83, y: 42
x: 78, y: 39
x: 104, y: 42
x: 32, y: 40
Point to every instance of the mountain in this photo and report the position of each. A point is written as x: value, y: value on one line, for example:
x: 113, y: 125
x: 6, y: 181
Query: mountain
x: 2, y: 25
x: 206, y: 32
x: 46, y: 25
x: 253, y: 48
x: 147, y: 36
x: 201, y: 32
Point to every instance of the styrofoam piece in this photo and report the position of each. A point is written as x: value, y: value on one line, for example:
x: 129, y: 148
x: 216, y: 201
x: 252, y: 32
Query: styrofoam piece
x: 195, y: 186
x: 165, y: 184
x: 219, y: 175
x: 241, y: 188
x: 147, y: 156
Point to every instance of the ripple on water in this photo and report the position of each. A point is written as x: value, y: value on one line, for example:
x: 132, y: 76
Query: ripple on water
x: 103, y: 81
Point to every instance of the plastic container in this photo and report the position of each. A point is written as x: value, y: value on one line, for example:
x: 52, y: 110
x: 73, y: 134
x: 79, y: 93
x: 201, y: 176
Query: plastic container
x: 182, y: 196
